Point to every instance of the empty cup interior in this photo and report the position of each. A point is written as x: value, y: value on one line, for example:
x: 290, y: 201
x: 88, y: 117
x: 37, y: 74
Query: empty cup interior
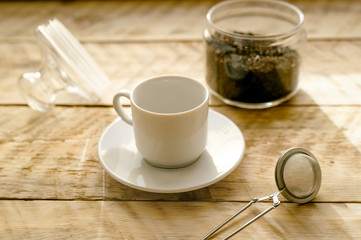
x: 169, y: 95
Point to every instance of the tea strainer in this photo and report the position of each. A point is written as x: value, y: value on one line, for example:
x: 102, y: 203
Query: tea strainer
x: 298, y: 178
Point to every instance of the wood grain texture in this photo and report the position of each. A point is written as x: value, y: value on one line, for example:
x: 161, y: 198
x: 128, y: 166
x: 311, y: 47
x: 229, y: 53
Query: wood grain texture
x: 331, y: 68
x: 54, y: 156
x: 109, y: 20
x: 165, y: 20
x: 330, y: 74
x: 52, y: 185
x: 173, y: 220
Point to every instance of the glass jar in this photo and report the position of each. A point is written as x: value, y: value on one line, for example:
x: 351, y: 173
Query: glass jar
x: 253, y: 52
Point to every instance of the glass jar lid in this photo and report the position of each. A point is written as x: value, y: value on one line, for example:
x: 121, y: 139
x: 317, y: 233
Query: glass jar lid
x: 66, y: 66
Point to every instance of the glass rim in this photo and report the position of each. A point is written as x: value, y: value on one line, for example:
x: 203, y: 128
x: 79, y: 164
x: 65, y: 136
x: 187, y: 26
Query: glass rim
x: 290, y: 6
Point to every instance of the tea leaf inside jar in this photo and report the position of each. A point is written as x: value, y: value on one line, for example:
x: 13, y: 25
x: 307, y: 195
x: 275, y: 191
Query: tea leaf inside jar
x: 251, y: 71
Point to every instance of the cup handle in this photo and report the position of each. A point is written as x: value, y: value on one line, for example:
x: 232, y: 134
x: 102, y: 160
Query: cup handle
x: 119, y: 108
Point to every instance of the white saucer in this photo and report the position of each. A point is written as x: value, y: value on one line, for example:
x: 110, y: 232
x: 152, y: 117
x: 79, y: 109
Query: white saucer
x: 121, y: 160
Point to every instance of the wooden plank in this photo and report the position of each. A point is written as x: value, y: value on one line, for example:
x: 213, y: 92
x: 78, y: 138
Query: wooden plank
x: 52, y: 161
x: 331, y: 73
x: 125, y: 65
x: 109, y: 20
x: 159, y: 20
x: 327, y: 19
x: 173, y: 220
x: 54, y: 156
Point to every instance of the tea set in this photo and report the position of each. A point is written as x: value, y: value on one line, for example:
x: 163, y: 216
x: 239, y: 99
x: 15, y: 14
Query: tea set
x: 171, y: 141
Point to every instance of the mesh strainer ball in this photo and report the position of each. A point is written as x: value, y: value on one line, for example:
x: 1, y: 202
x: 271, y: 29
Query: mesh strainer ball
x: 299, y: 174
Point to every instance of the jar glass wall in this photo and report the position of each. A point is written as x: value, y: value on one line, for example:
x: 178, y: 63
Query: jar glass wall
x: 253, y: 52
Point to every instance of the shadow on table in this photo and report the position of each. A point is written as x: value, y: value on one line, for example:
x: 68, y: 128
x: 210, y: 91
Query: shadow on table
x: 268, y: 133
x: 324, y: 130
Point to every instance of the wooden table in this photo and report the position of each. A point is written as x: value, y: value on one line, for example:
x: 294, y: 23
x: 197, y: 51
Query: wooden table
x: 52, y: 185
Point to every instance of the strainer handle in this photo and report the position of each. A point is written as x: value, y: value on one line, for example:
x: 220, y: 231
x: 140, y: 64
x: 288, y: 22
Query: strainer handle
x: 230, y: 218
x: 251, y: 221
x: 275, y: 204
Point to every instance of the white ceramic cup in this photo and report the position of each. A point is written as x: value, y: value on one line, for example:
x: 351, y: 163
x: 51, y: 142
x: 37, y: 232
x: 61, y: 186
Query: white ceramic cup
x: 169, y: 115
